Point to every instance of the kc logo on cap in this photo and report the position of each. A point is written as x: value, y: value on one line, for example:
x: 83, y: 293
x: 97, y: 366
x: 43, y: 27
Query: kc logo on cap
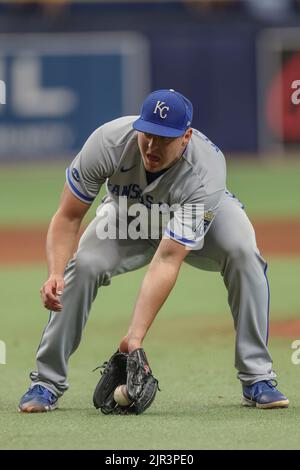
x: 166, y: 113
x: 158, y: 107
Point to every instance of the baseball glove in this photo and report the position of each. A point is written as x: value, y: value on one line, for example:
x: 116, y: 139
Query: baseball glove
x: 141, y: 384
x: 112, y: 375
x: 134, y: 371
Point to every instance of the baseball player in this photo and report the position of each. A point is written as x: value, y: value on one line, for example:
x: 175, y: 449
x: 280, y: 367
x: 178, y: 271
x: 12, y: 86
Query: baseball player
x: 156, y: 160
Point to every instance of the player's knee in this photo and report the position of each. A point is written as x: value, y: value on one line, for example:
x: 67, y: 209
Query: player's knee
x: 88, y: 267
x: 241, y: 252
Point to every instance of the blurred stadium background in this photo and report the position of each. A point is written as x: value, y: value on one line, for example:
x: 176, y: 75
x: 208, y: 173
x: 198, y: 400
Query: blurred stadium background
x: 70, y: 66
x: 66, y: 67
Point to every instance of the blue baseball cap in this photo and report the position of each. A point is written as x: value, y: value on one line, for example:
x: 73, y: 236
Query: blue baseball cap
x: 166, y: 113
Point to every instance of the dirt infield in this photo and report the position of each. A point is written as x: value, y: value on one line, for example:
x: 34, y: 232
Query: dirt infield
x: 285, y: 328
x: 275, y: 238
x: 27, y: 245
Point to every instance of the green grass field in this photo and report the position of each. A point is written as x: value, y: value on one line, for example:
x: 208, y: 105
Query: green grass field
x: 190, y: 347
x: 31, y: 192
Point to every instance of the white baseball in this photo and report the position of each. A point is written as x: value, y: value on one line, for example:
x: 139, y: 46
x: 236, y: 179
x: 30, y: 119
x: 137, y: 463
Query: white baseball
x: 121, y: 395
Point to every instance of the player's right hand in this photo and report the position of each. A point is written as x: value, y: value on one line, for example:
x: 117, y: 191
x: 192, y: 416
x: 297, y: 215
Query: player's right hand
x: 51, y: 292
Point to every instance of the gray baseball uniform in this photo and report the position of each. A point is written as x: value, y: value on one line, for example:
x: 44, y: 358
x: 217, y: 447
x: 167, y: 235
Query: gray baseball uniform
x: 224, y: 241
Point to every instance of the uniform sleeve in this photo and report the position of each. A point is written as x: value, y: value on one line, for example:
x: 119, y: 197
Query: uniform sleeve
x: 191, y: 220
x: 90, y: 168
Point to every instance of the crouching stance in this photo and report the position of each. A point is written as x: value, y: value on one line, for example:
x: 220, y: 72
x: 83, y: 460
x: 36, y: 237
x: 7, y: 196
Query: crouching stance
x: 159, y: 162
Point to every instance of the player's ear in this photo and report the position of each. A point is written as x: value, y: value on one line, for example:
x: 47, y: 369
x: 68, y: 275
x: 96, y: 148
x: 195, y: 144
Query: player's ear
x: 187, y: 136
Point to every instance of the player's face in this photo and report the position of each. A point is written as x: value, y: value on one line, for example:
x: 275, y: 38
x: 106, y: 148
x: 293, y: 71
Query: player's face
x: 159, y: 153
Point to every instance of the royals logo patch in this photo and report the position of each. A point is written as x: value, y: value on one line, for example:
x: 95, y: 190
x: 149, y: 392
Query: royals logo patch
x: 75, y: 174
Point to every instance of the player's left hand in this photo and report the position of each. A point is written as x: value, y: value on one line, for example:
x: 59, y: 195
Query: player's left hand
x: 129, y: 344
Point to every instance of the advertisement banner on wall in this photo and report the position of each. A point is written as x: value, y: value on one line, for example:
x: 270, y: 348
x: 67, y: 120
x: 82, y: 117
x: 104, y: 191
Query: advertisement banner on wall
x: 55, y: 89
x: 279, y: 90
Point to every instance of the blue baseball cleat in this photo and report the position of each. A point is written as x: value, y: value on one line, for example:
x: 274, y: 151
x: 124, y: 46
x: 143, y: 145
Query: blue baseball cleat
x: 38, y: 399
x: 264, y: 394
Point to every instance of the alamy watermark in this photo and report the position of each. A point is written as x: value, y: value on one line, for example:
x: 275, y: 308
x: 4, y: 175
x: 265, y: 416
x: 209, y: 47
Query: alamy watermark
x: 295, y: 97
x: 2, y: 92
x: 184, y: 223
x: 2, y: 352
x: 295, y: 358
